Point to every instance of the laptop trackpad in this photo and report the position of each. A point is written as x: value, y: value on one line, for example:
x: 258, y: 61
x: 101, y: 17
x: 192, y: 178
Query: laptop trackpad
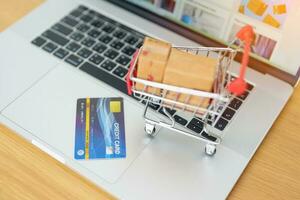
x: 48, y: 111
x: 21, y: 64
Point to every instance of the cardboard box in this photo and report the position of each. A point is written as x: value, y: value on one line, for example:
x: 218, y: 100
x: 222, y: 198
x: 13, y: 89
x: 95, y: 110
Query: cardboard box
x: 190, y: 71
x: 196, y: 101
x: 152, y: 62
x: 258, y: 7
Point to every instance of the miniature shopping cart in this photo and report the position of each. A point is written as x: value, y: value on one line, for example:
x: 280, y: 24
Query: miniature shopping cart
x: 208, y: 115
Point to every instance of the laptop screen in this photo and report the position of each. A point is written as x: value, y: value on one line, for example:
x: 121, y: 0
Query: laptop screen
x: 274, y: 21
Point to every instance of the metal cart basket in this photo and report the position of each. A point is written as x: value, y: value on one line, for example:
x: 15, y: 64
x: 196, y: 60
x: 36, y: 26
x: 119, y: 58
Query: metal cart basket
x: 158, y: 96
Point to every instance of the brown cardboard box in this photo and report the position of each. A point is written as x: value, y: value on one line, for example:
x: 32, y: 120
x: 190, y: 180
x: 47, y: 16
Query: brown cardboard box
x: 190, y: 71
x: 196, y: 101
x: 152, y: 62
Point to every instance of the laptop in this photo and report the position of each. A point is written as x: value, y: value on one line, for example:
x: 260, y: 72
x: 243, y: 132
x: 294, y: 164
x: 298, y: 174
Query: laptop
x: 71, y: 49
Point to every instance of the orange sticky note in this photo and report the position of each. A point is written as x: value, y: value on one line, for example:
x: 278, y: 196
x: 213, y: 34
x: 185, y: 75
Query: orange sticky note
x: 258, y: 7
x: 279, y: 9
x: 242, y: 9
x: 271, y: 21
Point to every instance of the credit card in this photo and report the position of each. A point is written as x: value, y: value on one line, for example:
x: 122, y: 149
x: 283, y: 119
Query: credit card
x: 100, y: 130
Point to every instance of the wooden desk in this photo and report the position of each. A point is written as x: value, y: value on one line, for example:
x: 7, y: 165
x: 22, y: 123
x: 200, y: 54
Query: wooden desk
x: 28, y: 173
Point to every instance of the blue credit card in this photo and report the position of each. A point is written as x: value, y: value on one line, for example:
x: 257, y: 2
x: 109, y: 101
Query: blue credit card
x: 100, y: 130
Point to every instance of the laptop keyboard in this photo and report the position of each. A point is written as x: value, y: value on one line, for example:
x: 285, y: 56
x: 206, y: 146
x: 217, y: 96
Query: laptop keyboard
x: 103, y: 48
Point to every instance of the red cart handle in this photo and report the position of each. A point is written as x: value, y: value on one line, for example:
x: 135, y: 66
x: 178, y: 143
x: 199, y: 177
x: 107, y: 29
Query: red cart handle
x: 128, y: 81
x: 246, y: 35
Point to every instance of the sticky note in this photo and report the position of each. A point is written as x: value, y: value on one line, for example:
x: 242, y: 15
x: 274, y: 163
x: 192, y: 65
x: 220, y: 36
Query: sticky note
x: 279, y: 9
x: 258, y: 7
x: 271, y: 21
x: 242, y: 9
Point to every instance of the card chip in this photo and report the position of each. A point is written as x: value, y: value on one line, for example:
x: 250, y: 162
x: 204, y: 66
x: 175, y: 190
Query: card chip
x: 115, y: 106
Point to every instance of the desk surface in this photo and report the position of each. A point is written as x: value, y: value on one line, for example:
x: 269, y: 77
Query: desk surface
x: 28, y: 173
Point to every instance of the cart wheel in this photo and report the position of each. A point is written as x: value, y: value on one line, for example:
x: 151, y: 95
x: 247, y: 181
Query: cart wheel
x: 150, y: 129
x: 210, y: 149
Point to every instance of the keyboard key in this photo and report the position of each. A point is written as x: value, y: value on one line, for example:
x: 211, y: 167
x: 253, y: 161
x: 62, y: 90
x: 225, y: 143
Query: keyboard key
x: 169, y: 110
x: 70, y: 21
x: 77, y: 36
x: 153, y: 106
x: 197, y: 122
x: 235, y: 103
x: 73, y: 46
x: 96, y: 59
x: 99, y: 48
x: 88, y: 42
x: 97, y: 23
x: 83, y: 28
x: 83, y: 8
x: 128, y: 50
x: 209, y: 122
x: 94, y: 33
x: 104, y: 76
x: 209, y: 137
x: 231, y: 78
x: 221, y: 124
x: 108, y: 28
x: 194, y: 128
x: 108, y: 65
x: 131, y: 40
x: 55, y: 37
x: 80, y: 10
x: 61, y: 53
x: 62, y: 29
x: 120, y: 71
x: 228, y: 113
x: 76, y: 13
x: 150, y: 104
x: 49, y: 47
x: 249, y: 86
x: 127, y: 29
x: 106, y: 19
x: 139, y: 44
x: 111, y: 54
x: 123, y: 60
x: 117, y: 44
x: 211, y: 119
x: 119, y: 34
x: 38, y: 41
x: 92, y: 13
x: 86, y: 18
x: 84, y: 53
x: 220, y: 108
x: 105, y: 39
x: 180, y: 120
x: 244, y: 95
x: 74, y: 60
